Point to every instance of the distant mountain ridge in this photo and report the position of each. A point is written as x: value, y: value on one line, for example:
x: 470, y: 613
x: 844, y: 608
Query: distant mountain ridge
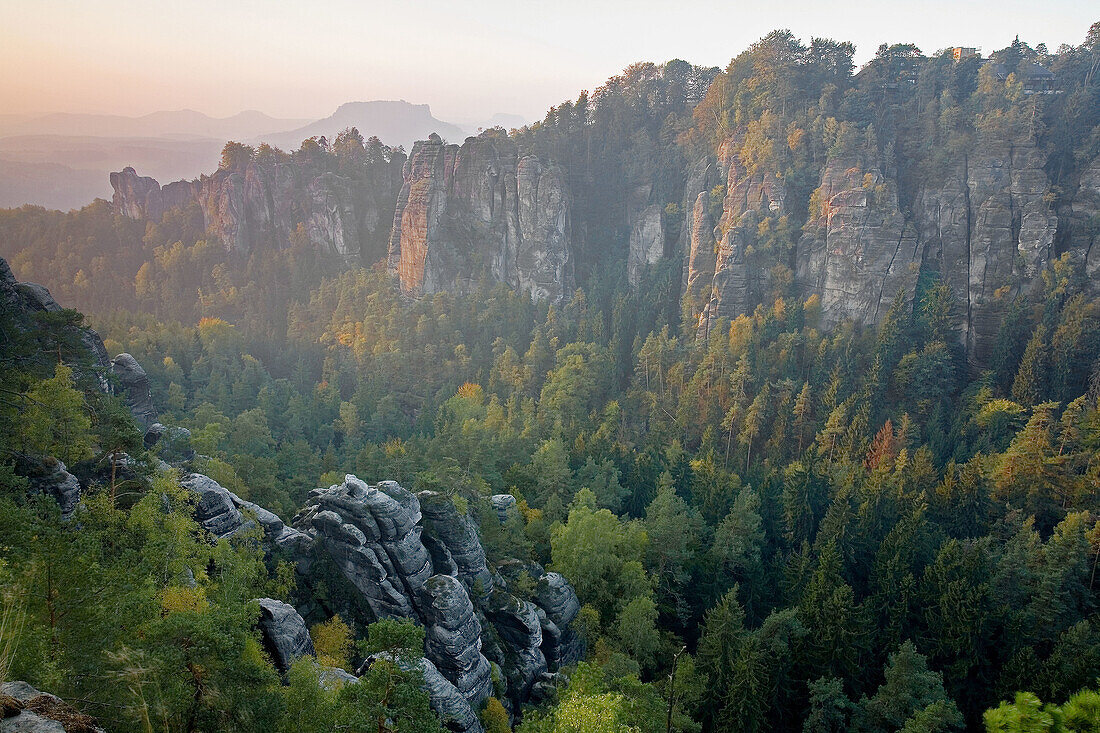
x: 175, y: 123
x: 394, y: 122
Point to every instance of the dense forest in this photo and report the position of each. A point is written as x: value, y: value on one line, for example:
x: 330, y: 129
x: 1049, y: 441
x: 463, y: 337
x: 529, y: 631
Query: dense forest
x: 776, y: 523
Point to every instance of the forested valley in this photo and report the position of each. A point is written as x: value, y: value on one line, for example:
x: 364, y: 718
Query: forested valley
x: 777, y: 512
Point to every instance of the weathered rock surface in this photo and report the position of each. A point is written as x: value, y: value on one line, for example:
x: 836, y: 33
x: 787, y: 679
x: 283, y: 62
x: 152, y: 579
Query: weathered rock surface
x: 141, y: 197
x: 480, y: 212
x: 49, y: 476
x: 860, y: 250
x: 28, y: 710
x: 285, y: 635
x: 453, y: 638
x: 21, y: 299
x: 505, y: 506
x: 134, y: 383
x: 990, y: 231
x: 647, y: 243
x: 458, y: 534
x: 1080, y: 219
x: 172, y: 441
x: 215, y: 509
x: 418, y: 557
x: 262, y: 205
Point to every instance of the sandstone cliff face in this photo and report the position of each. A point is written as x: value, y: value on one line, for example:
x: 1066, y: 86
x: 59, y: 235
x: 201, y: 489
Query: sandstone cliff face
x: 141, y: 197
x: 261, y: 206
x: 989, y: 231
x: 476, y: 212
x: 859, y: 250
x: 1080, y: 217
x: 734, y: 286
x: 647, y: 243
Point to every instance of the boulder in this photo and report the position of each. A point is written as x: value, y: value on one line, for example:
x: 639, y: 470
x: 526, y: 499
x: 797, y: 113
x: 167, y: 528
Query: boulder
x: 27, y: 710
x: 134, y: 383
x: 215, y: 509
x: 285, y: 635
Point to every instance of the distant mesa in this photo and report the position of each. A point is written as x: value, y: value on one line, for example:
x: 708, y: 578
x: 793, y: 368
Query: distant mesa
x: 393, y: 122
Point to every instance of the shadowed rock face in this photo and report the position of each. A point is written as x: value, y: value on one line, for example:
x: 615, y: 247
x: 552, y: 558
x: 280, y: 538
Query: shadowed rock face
x: 647, y: 243
x: 990, y: 231
x: 134, y: 383
x: 480, y: 212
x: 19, y: 300
x: 284, y: 632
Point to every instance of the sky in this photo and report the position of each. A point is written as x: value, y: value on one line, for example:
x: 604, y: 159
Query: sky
x: 467, y: 59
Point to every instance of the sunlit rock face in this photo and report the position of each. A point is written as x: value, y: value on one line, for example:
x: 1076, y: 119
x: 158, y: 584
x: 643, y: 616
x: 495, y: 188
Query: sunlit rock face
x: 858, y: 250
x: 481, y: 213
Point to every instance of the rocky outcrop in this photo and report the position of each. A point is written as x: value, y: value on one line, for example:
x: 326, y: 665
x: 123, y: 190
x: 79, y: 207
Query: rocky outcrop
x: 284, y: 632
x: 858, y: 251
x: 453, y: 638
x: 48, y: 476
x: 134, y: 383
x: 989, y: 231
x: 647, y: 243
x: 419, y: 557
x: 481, y: 212
x: 701, y: 255
x: 19, y: 300
x: 1080, y: 217
x: 262, y: 204
x: 142, y: 197
x: 215, y: 509
x: 700, y: 180
x: 23, y: 709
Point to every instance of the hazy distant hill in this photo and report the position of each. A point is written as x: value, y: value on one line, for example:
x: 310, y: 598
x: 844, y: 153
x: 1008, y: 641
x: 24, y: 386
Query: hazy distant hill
x: 394, y: 122
x: 66, y: 171
x: 178, y: 123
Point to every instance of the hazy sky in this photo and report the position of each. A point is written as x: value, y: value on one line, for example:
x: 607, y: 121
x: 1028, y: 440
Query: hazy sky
x: 467, y: 59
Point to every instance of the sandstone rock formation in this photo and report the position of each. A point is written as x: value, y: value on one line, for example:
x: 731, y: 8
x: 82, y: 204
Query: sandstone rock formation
x: 49, y: 476
x: 647, y: 243
x: 23, y: 709
x: 419, y: 557
x: 858, y: 250
x: 285, y: 635
x: 18, y: 300
x: 134, y: 383
x: 480, y: 212
x: 988, y: 229
x: 142, y: 197
x: 262, y: 205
